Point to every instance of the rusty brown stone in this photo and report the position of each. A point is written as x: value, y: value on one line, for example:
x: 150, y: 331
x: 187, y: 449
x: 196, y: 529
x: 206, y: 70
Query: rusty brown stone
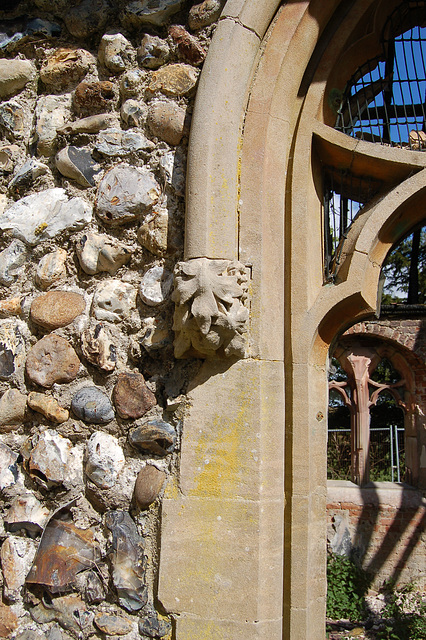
x: 47, y: 406
x: 148, y: 485
x: 8, y: 621
x: 52, y: 359
x: 94, y: 97
x: 11, y: 307
x: 56, y: 309
x: 131, y: 396
x: 174, y: 80
x: 189, y: 48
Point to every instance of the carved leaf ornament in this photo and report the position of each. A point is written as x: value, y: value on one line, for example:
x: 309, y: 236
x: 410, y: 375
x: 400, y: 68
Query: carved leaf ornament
x: 211, y: 313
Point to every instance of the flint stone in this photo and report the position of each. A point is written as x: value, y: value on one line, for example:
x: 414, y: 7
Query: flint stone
x: 153, y: 626
x: 118, y: 143
x: 155, y: 334
x: 121, y: 493
x: 126, y: 193
x: 155, y: 286
x: 28, y: 514
x: 189, y: 49
x: 48, y: 460
x: 153, y: 233
x: 9, y: 472
x: 92, y: 405
x: 90, y: 124
x: 13, y: 118
x: 97, y: 252
x: 51, y: 114
x: 66, y: 67
x: 52, y: 360
x: 112, y: 625
x: 44, y: 215
x: 13, y: 406
x: 77, y: 164
x: 166, y: 120
x: 89, y: 583
x: 56, y: 309
x: 98, y: 347
x: 87, y: 18
x: 204, y: 14
x: 128, y: 561
x: 48, y: 406
x: 8, y: 155
x: 113, y: 301
x: 70, y: 611
x: 8, y: 621
x: 131, y: 83
x: 153, y: 52
x: 14, y: 75
x: 148, y: 486
x: 30, y: 171
x: 174, y: 80
x: 17, y: 555
x: 131, y: 396
x: 133, y: 113
x: 51, y: 268
x: 116, y: 53
x: 11, y: 260
x: 94, y: 97
x: 172, y: 166
x: 11, y: 307
x: 12, y: 348
x: 154, y: 436
x: 104, y: 459
x: 142, y: 12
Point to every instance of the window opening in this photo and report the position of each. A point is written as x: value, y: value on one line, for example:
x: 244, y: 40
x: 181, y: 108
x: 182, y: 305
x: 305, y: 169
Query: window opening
x: 404, y: 271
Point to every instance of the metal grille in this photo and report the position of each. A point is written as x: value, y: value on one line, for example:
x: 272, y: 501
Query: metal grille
x: 384, y: 101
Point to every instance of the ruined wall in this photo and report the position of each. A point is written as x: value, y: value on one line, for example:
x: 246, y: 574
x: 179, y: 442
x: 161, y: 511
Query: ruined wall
x: 96, y: 100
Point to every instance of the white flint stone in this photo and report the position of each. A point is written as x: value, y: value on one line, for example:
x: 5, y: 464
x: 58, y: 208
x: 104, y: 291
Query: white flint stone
x: 8, y: 156
x: 27, y: 513
x: 9, y: 472
x: 116, y: 52
x: 172, y: 165
x: 153, y: 233
x: 48, y: 462
x: 134, y: 113
x: 11, y: 260
x: 115, y: 142
x: 105, y: 459
x: 155, y: 12
x: 113, y: 301
x: 51, y: 268
x: 45, y: 214
x: 98, y: 252
x: 17, y: 555
x: 131, y: 82
x: 156, y: 286
x: 52, y: 112
x: 14, y: 75
x: 14, y: 118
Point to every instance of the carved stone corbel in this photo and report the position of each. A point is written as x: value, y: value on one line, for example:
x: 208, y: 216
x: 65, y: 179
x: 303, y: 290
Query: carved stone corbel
x: 211, y: 314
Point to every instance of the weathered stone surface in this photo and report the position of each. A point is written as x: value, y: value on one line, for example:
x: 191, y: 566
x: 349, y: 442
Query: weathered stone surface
x: 151, y: 625
x: 131, y: 83
x: 98, y: 347
x: 142, y: 12
x: 131, y: 396
x: 92, y: 405
x: 201, y: 15
x: 153, y: 233
x: 94, y: 97
x: 26, y: 175
x: 28, y: 514
x: 98, y: 252
x: 113, y: 301
x: 51, y: 114
x: 189, y: 49
x: 51, y: 360
x: 153, y: 52
x: 155, y: 334
x: 174, y: 80
x: 17, y: 555
x: 120, y: 495
x: 78, y: 164
x: 90, y: 584
x: 116, y: 53
x: 65, y: 67
x: 56, y: 309
x: 126, y: 193
x: 44, y: 215
x: 64, y: 551
x: 51, y: 269
x: 8, y: 621
x: 47, y: 406
x: 8, y: 155
x: 173, y: 168
x: 118, y: 143
x: 70, y: 611
x: 155, y: 286
x: 12, y: 348
x: 8, y: 467
x: 12, y: 409
x: 11, y: 260
x: 90, y: 124
x: 11, y: 307
x: 133, y: 113
x: 154, y: 436
x: 14, y: 75
x: 128, y: 560
x: 104, y: 459
x: 166, y: 120
x: 13, y: 118
x: 48, y: 460
x: 148, y: 486
x: 87, y: 18
x: 112, y: 625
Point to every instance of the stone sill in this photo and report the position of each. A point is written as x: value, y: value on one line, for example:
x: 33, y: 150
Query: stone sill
x: 393, y: 494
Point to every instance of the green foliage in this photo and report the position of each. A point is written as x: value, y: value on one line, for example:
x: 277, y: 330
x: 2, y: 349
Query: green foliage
x: 347, y: 585
x: 397, y: 271
x: 407, y: 612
